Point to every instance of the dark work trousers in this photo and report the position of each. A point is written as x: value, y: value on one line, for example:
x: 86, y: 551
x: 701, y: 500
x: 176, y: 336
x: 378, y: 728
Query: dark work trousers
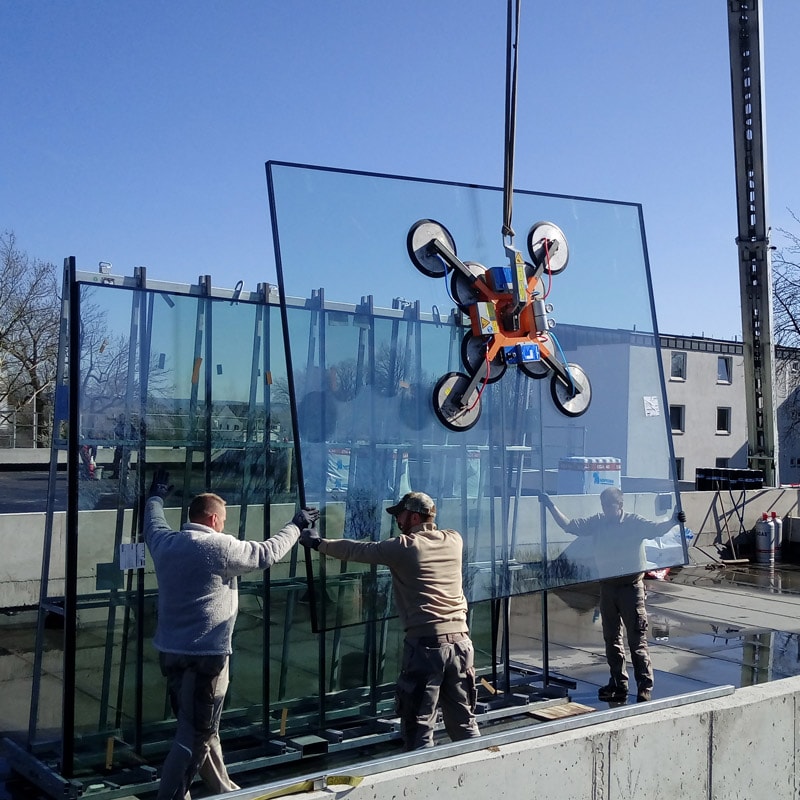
x: 624, y: 605
x: 437, y: 672
x: 197, y: 687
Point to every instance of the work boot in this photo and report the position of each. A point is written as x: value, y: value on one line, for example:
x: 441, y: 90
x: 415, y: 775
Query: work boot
x: 613, y: 692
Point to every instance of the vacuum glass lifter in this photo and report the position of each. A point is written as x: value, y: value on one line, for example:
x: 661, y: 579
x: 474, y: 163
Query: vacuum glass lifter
x: 508, y: 321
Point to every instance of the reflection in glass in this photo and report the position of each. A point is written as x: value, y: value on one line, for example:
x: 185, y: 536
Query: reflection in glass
x: 367, y: 369
x: 198, y: 382
x: 197, y: 385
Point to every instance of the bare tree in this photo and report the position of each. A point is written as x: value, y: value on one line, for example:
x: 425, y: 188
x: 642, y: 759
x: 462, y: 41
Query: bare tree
x: 109, y: 377
x: 344, y: 376
x: 786, y: 288
x: 786, y: 326
x: 29, y: 326
x: 104, y: 361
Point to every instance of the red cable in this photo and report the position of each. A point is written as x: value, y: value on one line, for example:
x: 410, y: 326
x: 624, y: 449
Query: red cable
x: 485, y: 381
x: 549, y: 270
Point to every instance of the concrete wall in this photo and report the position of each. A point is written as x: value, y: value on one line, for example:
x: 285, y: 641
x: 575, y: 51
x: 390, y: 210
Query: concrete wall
x: 22, y: 538
x: 737, y: 747
x: 710, y: 515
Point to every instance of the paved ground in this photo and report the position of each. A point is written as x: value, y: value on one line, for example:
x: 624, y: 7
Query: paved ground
x: 26, y: 491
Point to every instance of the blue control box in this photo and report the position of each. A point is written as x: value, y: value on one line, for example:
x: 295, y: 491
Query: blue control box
x: 501, y: 279
x: 522, y: 353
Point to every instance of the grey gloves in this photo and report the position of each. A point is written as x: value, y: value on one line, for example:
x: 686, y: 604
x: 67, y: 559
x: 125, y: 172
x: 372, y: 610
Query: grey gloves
x: 160, y: 487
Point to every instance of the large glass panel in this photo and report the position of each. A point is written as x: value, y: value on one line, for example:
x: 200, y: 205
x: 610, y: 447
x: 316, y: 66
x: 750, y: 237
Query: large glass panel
x: 346, y: 232
x: 378, y: 315
x: 196, y: 380
x: 198, y: 385
x: 111, y: 612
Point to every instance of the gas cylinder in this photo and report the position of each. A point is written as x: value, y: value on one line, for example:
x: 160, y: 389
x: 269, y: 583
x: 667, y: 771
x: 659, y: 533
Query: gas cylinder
x: 778, y: 523
x: 765, y: 540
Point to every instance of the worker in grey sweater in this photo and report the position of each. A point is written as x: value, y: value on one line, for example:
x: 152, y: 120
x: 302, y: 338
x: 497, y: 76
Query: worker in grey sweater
x: 438, y: 658
x: 196, y: 569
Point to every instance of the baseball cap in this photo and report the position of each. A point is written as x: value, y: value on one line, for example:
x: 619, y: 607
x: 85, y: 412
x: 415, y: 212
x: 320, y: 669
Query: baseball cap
x: 416, y: 502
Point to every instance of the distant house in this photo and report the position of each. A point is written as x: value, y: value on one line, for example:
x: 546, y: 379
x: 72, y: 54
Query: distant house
x: 706, y: 396
x: 707, y: 407
x: 228, y: 425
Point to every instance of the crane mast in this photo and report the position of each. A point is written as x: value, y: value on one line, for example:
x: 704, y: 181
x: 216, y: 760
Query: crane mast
x: 755, y: 270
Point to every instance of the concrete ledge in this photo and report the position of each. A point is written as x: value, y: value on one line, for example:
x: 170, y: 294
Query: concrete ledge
x: 37, y: 458
x: 21, y: 570
x: 737, y: 747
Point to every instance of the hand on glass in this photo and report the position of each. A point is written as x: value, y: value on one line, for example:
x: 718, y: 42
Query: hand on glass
x: 306, y: 518
x: 160, y: 487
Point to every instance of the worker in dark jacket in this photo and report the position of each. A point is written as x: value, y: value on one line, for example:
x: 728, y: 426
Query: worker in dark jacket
x: 618, y: 540
x: 438, y: 657
x: 196, y: 569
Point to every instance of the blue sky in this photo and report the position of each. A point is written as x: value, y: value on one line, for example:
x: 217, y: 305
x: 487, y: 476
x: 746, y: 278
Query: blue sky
x: 137, y: 133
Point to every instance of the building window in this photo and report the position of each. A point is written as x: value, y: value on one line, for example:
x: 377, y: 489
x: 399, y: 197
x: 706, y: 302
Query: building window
x: 722, y: 463
x: 676, y: 418
x: 677, y: 368
x: 678, y: 469
x: 724, y: 365
x: 723, y: 420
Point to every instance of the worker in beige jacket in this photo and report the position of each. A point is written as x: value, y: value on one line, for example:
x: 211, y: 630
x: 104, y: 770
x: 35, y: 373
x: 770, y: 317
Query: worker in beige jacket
x: 438, y: 658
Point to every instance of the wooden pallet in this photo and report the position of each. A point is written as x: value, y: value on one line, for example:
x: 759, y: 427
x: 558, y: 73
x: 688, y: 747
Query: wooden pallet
x: 559, y: 712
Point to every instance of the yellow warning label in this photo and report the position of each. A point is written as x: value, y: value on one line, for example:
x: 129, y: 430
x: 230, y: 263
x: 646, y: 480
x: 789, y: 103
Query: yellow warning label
x: 488, y: 319
x: 522, y: 281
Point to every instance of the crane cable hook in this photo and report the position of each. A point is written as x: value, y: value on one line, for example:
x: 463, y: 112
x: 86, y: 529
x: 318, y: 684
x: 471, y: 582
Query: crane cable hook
x: 512, y: 52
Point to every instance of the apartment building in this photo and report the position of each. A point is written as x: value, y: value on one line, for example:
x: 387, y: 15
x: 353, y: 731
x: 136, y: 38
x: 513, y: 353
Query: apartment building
x: 706, y: 396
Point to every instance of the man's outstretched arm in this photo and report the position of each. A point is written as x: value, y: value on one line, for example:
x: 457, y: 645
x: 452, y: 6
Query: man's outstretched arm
x: 668, y: 524
x: 561, y: 519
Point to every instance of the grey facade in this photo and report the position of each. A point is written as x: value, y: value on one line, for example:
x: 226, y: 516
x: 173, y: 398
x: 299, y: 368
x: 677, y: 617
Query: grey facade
x: 706, y: 396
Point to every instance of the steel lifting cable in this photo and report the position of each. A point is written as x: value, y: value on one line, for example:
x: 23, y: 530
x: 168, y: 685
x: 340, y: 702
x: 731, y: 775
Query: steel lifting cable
x: 512, y: 52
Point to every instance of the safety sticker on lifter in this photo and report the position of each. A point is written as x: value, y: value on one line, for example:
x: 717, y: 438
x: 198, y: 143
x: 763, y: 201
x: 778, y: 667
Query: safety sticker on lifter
x: 488, y: 319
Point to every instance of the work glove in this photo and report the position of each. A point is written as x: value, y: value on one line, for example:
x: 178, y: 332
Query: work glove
x: 681, y: 516
x: 160, y: 487
x: 310, y: 538
x: 306, y: 518
x: 544, y: 499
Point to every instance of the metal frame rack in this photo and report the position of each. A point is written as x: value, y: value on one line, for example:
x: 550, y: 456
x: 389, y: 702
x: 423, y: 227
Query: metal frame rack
x: 118, y: 749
